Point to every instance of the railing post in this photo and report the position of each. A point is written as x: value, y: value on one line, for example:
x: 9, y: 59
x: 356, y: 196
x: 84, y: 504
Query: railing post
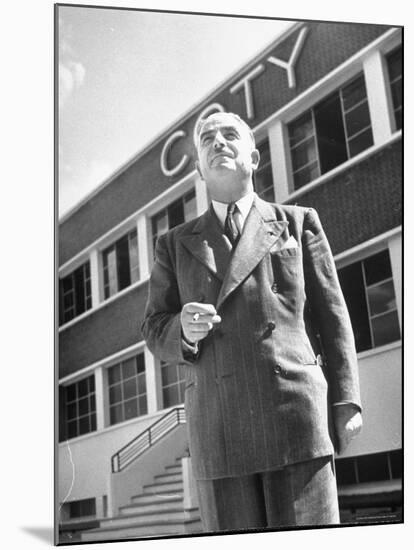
x: 149, y: 437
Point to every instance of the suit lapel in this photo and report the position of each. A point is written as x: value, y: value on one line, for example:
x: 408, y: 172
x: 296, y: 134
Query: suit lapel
x: 261, y: 232
x: 208, y: 244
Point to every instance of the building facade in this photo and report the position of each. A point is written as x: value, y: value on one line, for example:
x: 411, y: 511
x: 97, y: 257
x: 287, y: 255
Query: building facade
x: 325, y: 103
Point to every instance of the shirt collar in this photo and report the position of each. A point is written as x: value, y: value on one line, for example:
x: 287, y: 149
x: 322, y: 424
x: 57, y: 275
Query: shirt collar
x: 244, y: 204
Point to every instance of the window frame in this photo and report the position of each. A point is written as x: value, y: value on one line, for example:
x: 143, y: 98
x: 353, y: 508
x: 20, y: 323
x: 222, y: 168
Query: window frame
x: 337, y: 90
x: 92, y: 410
x: 87, y: 292
x: 120, y: 382
x: 133, y: 266
x: 359, y: 258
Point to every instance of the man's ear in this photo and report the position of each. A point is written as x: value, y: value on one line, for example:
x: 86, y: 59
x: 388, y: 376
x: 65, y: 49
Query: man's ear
x: 255, y: 159
x: 197, y: 165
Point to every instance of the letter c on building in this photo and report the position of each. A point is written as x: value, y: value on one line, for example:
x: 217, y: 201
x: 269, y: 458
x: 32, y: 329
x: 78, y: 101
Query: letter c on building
x: 164, y: 154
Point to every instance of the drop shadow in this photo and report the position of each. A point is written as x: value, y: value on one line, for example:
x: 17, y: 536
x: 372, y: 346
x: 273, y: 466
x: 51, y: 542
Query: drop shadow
x: 43, y: 533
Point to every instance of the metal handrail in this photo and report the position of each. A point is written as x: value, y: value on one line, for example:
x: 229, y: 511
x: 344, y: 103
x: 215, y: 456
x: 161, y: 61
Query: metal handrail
x: 146, y: 439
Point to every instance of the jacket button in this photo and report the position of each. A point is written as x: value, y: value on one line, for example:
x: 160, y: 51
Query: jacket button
x: 271, y: 325
x: 274, y: 288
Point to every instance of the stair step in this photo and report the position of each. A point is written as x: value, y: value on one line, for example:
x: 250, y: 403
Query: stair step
x: 134, y: 531
x: 166, y: 488
x: 174, y: 469
x: 171, y: 515
x: 157, y: 506
x: 153, y: 498
x: 167, y: 478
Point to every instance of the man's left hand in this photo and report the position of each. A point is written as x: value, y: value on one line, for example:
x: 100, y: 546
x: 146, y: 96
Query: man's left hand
x: 348, y: 424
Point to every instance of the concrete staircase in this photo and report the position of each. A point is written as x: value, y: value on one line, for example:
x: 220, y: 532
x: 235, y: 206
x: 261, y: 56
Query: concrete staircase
x: 157, y: 511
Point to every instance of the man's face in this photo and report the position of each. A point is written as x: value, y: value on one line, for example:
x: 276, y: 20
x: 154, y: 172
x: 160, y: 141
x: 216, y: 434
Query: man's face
x: 227, y: 157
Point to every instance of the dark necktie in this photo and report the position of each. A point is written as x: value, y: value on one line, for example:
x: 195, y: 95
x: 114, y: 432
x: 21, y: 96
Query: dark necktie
x: 230, y: 227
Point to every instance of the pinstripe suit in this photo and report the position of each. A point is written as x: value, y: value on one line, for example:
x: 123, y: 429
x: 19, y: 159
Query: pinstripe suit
x: 256, y: 394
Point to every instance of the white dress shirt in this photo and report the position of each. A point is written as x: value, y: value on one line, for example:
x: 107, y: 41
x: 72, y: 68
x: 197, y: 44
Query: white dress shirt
x: 243, y: 208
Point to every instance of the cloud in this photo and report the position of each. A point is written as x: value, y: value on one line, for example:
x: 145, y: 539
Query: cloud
x: 71, y: 78
x: 71, y: 71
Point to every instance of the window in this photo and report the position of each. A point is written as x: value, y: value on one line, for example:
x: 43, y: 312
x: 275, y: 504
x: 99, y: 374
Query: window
x: 127, y: 390
x: 263, y: 176
x: 75, y: 293
x: 181, y: 210
x: 82, y: 508
x: 80, y: 407
x: 120, y: 264
x: 333, y: 131
x: 172, y: 378
x: 369, y: 293
x: 368, y: 468
x: 394, y: 63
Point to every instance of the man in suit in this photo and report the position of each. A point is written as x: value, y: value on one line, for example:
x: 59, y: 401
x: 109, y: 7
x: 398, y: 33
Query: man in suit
x: 243, y: 296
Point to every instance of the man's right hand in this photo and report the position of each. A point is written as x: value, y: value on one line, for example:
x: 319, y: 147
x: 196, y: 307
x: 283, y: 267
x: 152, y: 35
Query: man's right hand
x: 197, y: 320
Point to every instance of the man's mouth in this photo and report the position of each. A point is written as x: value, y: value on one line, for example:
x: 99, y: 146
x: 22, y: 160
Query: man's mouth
x: 221, y: 155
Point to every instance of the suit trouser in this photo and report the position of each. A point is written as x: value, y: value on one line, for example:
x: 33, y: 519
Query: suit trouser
x: 300, y: 494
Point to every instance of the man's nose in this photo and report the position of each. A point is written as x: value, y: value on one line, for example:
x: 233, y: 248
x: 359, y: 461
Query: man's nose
x: 219, y: 141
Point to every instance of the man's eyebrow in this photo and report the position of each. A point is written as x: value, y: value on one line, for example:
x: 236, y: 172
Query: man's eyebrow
x: 223, y: 129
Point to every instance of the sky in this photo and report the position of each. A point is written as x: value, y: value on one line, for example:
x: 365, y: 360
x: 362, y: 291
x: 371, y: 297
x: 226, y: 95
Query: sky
x: 125, y: 76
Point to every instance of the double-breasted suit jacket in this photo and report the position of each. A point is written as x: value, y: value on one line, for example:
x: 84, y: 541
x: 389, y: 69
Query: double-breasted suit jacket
x: 256, y: 393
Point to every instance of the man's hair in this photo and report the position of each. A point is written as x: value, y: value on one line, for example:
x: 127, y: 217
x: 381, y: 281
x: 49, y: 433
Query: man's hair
x: 233, y: 115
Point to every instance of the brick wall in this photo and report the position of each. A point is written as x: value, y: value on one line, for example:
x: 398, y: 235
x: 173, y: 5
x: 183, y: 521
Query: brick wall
x: 362, y: 202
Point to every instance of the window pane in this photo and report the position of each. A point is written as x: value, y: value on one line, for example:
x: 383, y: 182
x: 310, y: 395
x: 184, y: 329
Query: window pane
x: 345, y: 471
x: 129, y: 368
x: 170, y: 396
x: 142, y: 386
x: 301, y: 128
x: 83, y: 406
x: 71, y: 411
x: 396, y: 464
x: 72, y: 429
x: 330, y: 133
x: 395, y: 63
x: 83, y: 388
x: 268, y: 194
x: 160, y: 223
x: 360, y: 142
x: 305, y: 175
x: 381, y: 298
x: 84, y: 425
x: 91, y: 381
x: 372, y: 467
x: 71, y: 392
x: 93, y: 422
x: 79, y: 290
x: 385, y: 328
x: 357, y: 119
x: 354, y: 92
x: 377, y: 268
x: 304, y: 153
x: 131, y: 409
x: 67, y: 283
x: 143, y: 408
x: 114, y: 374
x: 133, y: 256
x: 168, y: 374
x: 353, y: 288
x: 130, y: 388
x: 110, y: 276
x: 92, y: 402
x: 140, y: 363
x: 175, y: 213
x: 116, y: 414
x: 122, y: 257
x: 263, y: 179
x: 115, y: 394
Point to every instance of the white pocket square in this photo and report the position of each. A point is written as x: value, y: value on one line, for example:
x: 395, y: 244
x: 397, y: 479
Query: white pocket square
x: 290, y: 243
